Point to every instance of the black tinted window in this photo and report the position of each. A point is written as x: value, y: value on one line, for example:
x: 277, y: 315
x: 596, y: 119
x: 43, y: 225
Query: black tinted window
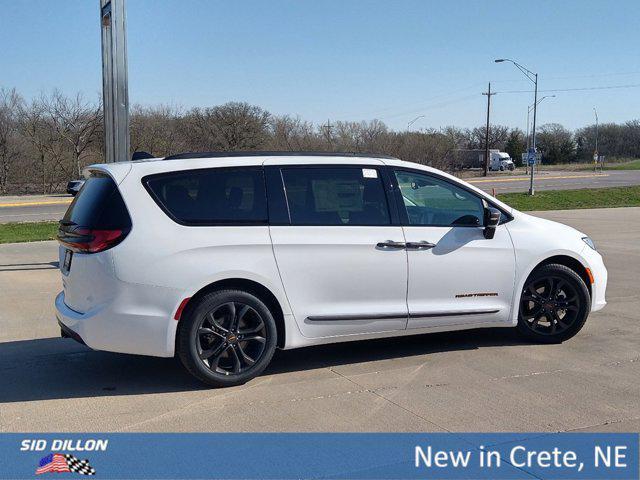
x: 98, y: 205
x: 335, y: 196
x: 430, y: 201
x: 212, y: 196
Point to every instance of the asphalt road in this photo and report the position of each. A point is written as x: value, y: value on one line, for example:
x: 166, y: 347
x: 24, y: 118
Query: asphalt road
x: 52, y: 207
x: 33, y: 208
x: 557, y: 180
x: 482, y: 380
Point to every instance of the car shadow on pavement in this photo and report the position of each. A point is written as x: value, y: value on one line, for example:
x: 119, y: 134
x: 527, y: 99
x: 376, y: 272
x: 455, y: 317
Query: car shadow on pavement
x: 21, y: 267
x: 57, y: 368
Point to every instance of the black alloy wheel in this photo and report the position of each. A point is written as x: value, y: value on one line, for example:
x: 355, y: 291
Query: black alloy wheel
x: 554, y: 304
x: 231, y: 338
x: 227, y: 338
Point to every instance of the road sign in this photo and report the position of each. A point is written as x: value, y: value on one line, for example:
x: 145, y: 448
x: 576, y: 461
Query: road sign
x: 531, y: 158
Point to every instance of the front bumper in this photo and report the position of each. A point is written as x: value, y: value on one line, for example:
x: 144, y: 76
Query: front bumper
x: 600, y: 277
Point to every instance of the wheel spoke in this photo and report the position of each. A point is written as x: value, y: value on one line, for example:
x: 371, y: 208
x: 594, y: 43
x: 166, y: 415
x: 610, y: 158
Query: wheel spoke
x: 255, y: 329
x: 237, y: 365
x: 231, y: 315
x: 209, y: 331
x: 531, y: 298
x: 215, y: 323
x: 213, y: 352
x: 254, y: 338
x: 248, y: 360
x: 549, y: 291
x: 559, y: 285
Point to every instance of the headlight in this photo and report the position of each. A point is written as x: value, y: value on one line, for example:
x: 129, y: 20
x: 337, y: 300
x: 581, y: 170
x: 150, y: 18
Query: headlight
x: 589, y: 242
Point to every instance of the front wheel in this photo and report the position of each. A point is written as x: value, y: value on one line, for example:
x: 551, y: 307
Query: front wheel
x: 554, y: 304
x: 227, y: 338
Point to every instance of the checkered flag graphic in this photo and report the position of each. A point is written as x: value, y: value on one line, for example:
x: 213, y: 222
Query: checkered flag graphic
x: 79, y: 466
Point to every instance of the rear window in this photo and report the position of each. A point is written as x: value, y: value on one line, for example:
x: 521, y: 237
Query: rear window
x: 98, y: 205
x: 217, y: 196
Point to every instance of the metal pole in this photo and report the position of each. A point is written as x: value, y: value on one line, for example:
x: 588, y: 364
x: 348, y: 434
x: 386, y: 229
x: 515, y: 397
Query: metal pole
x: 486, y: 134
x: 533, y: 134
x: 528, y: 112
x: 115, y: 92
x: 595, y: 155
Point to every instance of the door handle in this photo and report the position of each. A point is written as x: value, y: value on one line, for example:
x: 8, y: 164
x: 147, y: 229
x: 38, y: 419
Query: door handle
x: 390, y: 244
x: 422, y: 245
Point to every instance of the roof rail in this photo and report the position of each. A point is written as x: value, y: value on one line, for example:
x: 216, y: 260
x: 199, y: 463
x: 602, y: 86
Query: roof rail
x: 180, y: 156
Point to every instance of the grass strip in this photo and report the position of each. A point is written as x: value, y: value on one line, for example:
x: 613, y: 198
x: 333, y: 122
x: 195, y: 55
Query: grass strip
x: 574, y: 199
x: 27, y: 232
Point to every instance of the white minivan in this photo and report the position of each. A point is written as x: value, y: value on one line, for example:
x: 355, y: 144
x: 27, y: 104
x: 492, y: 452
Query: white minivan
x: 221, y: 258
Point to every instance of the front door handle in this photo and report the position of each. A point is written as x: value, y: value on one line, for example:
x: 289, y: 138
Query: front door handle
x: 422, y: 245
x: 390, y: 244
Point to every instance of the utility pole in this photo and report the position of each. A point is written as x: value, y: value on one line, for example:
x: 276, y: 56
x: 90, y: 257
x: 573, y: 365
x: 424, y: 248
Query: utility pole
x: 328, y: 128
x: 595, y: 154
x: 115, y: 90
x: 486, y: 134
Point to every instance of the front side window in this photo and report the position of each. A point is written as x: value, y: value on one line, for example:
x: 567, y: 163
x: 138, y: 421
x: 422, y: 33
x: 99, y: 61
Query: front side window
x: 430, y: 201
x: 212, y: 196
x: 335, y: 196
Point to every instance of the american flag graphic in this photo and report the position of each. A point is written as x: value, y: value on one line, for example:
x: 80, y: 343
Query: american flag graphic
x: 61, y: 463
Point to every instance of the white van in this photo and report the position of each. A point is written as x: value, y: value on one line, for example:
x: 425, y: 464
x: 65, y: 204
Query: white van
x: 221, y: 258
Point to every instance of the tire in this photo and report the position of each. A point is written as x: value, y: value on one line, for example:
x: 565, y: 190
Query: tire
x: 547, y: 290
x: 216, y: 352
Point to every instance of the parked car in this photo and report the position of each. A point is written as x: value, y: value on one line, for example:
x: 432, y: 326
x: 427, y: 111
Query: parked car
x: 74, y: 186
x: 221, y: 258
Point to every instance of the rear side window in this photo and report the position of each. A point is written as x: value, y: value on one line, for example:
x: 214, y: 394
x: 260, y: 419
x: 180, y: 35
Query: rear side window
x: 98, y: 205
x: 335, y: 196
x: 217, y: 196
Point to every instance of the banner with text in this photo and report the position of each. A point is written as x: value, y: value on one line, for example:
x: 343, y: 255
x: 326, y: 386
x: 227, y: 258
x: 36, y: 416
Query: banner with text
x: 321, y: 455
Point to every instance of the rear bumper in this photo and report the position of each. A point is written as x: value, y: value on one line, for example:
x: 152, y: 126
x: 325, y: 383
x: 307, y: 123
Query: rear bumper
x: 66, y: 332
x: 141, y: 327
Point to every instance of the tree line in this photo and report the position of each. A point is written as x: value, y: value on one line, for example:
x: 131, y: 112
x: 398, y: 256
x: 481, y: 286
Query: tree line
x: 46, y: 141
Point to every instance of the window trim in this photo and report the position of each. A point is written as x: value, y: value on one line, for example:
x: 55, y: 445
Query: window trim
x: 394, y: 219
x: 240, y: 223
x: 402, y: 212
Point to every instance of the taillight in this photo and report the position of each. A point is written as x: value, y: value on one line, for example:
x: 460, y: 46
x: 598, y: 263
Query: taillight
x: 90, y: 240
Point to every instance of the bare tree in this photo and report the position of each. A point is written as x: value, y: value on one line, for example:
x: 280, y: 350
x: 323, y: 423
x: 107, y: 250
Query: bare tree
x: 10, y: 102
x: 232, y: 126
x: 155, y: 130
x: 292, y: 134
x: 76, y: 121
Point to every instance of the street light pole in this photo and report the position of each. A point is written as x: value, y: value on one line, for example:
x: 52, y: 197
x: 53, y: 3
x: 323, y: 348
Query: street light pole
x: 529, y: 108
x: 596, y: 112
x: 533, y: 134
x: 533, y: 77
x: 414, y: 120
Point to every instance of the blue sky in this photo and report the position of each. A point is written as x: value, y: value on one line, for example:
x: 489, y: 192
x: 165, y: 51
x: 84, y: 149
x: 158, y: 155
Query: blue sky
x: 343, y: 60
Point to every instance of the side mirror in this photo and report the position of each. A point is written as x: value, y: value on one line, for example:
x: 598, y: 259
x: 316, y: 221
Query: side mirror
x: 491, y: 221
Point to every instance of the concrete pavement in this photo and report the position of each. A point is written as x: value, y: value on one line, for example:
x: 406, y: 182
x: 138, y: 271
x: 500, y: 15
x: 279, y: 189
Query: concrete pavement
x: 483, y: 380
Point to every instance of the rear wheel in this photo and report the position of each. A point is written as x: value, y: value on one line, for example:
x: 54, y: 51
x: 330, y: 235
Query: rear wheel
x: 554, y: 304
x: 227, y: 338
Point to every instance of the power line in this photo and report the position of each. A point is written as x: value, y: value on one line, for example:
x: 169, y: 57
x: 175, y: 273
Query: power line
x: 608, y: 87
